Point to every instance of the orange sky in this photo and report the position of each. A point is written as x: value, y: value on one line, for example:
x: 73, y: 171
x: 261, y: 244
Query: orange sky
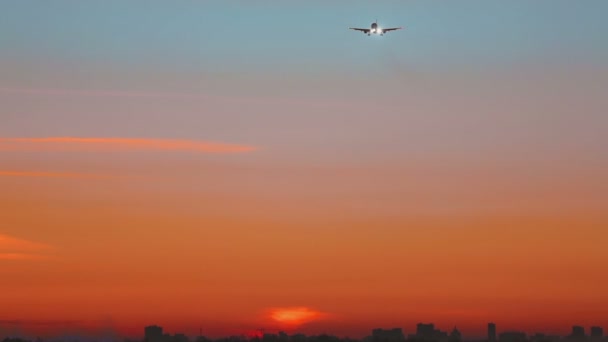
x: 193, y: 166
x: 223, y: 242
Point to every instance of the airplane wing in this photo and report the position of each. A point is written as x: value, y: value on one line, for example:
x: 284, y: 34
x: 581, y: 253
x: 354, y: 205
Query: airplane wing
x: 364, y: 30
x: 391, y: 29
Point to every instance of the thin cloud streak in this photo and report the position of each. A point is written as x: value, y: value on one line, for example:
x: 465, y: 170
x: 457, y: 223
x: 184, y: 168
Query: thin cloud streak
x: 124, y: 144
x: 22, y: 256
x: 15, y: 249
x: 103, y: 93
x: 243, y: 99
x: 39, y: 322
x: 45, y: 174
x: 13, y: 244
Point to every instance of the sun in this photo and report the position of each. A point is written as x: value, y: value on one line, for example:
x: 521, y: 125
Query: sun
x: 295, y: 315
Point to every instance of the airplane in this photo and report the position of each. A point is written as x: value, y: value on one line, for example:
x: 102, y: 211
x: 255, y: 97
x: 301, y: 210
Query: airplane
x: 375, y: 29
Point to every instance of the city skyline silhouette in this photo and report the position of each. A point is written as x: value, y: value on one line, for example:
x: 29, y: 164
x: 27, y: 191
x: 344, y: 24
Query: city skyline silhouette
x: 423, y: 332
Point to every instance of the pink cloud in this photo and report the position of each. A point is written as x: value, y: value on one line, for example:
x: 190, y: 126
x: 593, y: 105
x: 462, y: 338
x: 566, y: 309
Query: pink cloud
x: 104, y: 93
x: 113, y: 144
x: 45, y: 174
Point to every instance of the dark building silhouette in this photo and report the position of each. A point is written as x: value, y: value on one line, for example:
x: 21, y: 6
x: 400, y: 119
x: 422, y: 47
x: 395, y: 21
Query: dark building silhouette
x: 491, y: 332
x: 597, y: 332
x: 455, y: 336
x: 324, y: 338
x: 153, y: 333
x: 267, y: 337
x: 512, y: 336
x: 388, y: 335
x: 538, y: 337
x: 427, y: 332
x: 15, y: 339
x: 578, y: 332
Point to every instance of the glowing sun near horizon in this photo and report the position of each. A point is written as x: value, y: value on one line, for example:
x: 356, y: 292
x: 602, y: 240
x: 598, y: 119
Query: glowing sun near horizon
x: 294, y: 316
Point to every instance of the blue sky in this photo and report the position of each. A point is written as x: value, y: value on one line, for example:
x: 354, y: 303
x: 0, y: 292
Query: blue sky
x: 455, y: 64
x: 449, y: 68
x: 286, y: 35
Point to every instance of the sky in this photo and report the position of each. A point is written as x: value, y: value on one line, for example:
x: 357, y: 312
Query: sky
x: 231, y: 165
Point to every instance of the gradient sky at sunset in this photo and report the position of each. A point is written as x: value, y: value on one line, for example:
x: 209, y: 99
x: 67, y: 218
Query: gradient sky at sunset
x: 233, y: 165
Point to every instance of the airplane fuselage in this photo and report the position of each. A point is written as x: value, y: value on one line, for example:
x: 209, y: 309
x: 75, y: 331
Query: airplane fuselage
x: 375, y: 29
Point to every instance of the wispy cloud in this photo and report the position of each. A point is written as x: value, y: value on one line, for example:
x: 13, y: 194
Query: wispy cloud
x: 96, y: 92
x: 39, y: 322
x: 22, y: 256
x: 15, y: 244
x: 44, y: 174
x: 12, y: 248
x: 258, y: 99
x: 125, y: 144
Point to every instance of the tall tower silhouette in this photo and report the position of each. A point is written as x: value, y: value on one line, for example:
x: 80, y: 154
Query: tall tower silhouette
x: 491, y: 332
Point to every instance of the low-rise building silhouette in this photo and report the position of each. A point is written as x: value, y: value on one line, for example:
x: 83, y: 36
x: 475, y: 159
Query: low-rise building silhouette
x: 539, y: 337
x: 455, y: 335
x: 597, y: 332
x: 512, y: 336
x: 388, y: 335
x: 578, y: 331
x: 153, y: 333
x: 427, y: 332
